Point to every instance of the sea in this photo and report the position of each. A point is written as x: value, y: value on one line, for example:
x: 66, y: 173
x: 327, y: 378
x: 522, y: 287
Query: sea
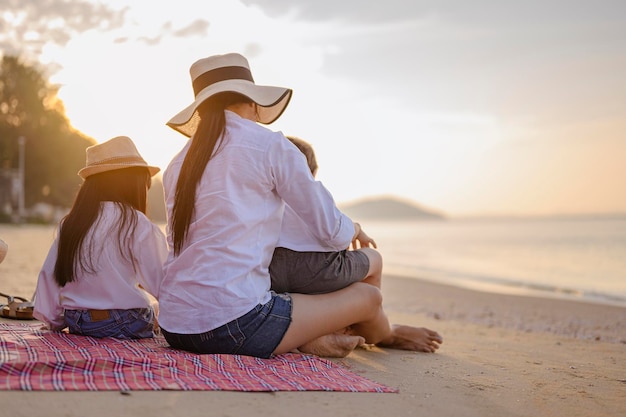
x: 572, y: 258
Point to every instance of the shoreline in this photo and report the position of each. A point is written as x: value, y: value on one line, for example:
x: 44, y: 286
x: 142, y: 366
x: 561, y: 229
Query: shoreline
x: 581, y: 319
x: 516, y: 288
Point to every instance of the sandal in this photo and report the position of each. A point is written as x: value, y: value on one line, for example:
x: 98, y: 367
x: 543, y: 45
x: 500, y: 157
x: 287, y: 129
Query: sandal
x: 17, y: 308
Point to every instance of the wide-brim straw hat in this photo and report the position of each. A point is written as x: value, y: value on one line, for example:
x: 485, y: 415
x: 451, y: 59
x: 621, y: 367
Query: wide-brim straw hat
x: 117, y: 153
x: 229, y: 73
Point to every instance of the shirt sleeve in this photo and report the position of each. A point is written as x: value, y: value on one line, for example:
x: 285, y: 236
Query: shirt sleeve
x: 308, y: 198
x: 48, y: 307
x: 150, y: 252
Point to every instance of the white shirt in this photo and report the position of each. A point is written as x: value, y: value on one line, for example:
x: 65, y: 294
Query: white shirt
x: 222, y: 270
x: 295, y: 235
x: 115, y: 284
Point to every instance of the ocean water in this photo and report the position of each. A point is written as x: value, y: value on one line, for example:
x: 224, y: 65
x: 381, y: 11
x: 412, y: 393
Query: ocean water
x: 582, y: 259
x: 574, y: 259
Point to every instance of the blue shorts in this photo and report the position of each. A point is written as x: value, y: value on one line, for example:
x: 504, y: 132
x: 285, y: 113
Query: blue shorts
x: 316, y: 272
x: 134, y: 323
x: 256, y: 333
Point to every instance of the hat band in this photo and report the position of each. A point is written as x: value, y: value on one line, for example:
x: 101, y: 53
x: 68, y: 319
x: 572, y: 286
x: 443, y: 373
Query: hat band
x: 220, y: 74
x: 119, y: 161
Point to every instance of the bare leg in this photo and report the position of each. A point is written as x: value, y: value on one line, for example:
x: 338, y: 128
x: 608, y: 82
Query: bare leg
x: 418, y: 339
x: 375, y: 273
x: 314, y: 316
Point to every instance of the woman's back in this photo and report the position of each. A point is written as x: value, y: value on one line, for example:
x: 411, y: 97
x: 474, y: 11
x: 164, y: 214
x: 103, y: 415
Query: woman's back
x: 237, y: 215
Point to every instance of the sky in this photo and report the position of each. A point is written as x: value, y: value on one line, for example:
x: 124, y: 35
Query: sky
x: 465, y: 107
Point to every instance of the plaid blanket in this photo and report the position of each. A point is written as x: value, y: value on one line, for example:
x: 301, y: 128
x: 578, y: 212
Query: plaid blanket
x: 31, y: 359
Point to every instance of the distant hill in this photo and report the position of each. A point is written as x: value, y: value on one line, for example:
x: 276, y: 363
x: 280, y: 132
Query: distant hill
x: 388, y: 208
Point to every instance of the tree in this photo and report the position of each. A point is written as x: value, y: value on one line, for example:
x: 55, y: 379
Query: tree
x: 54, y: 151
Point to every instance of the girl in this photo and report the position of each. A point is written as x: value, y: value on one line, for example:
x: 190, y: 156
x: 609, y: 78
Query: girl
x: 107, y: 253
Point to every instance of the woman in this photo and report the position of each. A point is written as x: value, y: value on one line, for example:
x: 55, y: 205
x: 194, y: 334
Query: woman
x: 225, y: 195
x: 107, y: 253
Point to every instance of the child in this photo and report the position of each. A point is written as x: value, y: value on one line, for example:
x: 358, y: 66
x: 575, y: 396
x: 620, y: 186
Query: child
x: 303, y: 264
x: 107, y: 253
x: 322, y: 267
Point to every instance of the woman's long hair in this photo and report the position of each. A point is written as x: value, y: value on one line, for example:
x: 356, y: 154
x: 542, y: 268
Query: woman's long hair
x: 205, y: 139
x: 127, y: 188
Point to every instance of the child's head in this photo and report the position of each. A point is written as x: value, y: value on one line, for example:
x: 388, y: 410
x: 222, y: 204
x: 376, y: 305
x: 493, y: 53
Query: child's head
x: 308, y: 152
x: 115, y: 171
x: 127, y: 186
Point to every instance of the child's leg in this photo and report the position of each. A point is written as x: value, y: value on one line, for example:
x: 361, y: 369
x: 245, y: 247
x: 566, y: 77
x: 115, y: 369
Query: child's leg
x: 375, y: 273
x: 323, y: 272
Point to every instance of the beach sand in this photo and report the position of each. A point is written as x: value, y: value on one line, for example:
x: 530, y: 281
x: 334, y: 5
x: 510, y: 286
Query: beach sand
x: 502, y: 355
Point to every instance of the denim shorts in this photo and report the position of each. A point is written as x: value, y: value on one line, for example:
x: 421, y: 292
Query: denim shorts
x: 134, y: 323
x: 316, y: 272
x: 256, y: 333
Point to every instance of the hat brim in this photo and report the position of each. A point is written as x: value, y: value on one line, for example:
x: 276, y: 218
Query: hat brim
x: 272, y: 103
x: 92, y: 170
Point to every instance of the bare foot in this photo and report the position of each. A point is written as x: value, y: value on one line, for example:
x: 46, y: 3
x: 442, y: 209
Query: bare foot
x: 334, y: 345
x: 419, y: 339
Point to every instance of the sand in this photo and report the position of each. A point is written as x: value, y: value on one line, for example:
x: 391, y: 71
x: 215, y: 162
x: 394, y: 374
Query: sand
x: 502, y: 356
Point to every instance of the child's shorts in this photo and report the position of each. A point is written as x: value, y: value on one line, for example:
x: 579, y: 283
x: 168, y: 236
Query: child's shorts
x: 316, y: 272
x: 256, y: 333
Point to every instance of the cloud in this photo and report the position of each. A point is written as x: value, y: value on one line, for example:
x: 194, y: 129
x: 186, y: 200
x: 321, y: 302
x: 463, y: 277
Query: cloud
x: 352, y: 10
x: 28, y: 26
x: 492, y: 12
x: 150, y: 41
x: 503, y: 58
x: 196, y: 28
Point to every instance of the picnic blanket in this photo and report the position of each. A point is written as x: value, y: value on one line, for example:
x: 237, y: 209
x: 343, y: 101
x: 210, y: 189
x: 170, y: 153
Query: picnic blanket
x: 32, y: 359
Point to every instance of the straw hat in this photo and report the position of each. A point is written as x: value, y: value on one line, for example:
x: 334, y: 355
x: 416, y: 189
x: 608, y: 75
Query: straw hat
x: 117, y: 153
x: 229, y: 73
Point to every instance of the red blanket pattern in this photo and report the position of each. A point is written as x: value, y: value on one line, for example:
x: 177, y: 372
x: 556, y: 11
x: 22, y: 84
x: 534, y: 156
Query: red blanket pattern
x: 31, y: 359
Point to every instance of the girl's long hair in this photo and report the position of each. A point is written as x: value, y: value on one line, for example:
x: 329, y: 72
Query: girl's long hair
x: 203, y: 143
x: 127, y: 188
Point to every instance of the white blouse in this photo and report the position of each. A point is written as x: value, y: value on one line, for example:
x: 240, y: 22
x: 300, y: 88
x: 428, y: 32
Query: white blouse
x: 222, y: 270
x: 115, y: 284
x: 295, y: 235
